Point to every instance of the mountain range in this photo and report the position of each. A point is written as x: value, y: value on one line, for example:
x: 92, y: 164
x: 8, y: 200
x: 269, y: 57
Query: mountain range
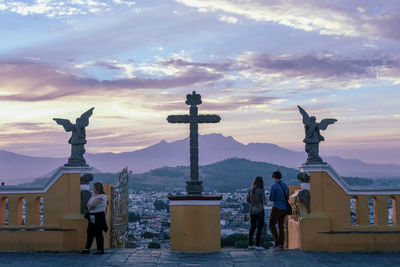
x: 212, y: 148
x: 228, y: 175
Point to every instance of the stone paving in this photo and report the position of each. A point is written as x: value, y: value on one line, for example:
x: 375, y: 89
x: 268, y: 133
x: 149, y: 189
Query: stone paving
x: 227, y: 257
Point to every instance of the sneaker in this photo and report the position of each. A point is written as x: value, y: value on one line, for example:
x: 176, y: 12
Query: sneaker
x: 276, y: 247
x: 259, y: 248
x: 85, y: 251
x: 99, y: 252
x: 251, y: 247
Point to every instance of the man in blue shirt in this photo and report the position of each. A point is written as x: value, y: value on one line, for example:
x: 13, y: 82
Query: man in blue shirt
x: 279, y: 194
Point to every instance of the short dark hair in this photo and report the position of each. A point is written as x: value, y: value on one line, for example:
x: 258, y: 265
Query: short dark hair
x: 277, y: 175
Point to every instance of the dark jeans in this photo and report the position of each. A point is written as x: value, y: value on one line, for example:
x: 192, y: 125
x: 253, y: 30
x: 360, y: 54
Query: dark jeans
x: 257, y: 221
x: 277, y: 216
x: 93, y: 231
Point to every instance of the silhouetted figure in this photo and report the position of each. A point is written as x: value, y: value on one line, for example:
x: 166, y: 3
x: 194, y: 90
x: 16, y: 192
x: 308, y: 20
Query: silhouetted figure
x: 78, y: 138
x: 313, y: 136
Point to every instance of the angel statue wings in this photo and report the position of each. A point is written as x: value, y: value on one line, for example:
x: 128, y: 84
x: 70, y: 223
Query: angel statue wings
x: 78, y: 138
x: 313, y: 136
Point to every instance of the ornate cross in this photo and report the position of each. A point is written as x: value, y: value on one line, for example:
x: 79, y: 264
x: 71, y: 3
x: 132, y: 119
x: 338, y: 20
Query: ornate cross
x: 194, y: 186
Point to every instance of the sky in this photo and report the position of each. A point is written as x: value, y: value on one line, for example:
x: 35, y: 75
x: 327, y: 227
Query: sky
x: 253, y: 62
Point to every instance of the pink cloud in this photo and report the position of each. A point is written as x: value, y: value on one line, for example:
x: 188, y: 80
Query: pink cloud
x: 41, y: 82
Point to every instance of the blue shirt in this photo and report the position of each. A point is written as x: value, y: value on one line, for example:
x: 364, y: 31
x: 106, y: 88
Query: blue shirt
x: 277, y: 196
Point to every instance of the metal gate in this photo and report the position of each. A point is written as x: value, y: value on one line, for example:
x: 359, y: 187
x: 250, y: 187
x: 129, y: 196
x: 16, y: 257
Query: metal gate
x: 120, y: 218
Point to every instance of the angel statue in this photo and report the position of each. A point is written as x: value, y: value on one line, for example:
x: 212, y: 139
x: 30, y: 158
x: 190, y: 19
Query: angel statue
x: 313, y: 137
x: 78, y: 138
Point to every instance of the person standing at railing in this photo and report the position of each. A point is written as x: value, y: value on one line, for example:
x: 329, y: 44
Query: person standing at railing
x: 97, y: 219
x: 279, y: 195
x: 256, y: 199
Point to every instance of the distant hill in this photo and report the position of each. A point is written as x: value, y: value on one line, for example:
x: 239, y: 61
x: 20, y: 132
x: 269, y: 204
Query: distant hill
x: 224, y: 176
x: 213, y: 148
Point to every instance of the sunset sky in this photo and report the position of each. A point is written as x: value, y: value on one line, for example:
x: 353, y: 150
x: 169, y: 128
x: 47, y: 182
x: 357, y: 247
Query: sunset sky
x: 252, y: 61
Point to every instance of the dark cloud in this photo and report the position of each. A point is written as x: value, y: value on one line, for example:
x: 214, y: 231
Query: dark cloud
x: 40, y: 82
x: 318, y: 66
x: 105, y: 64
x: 388, y: 26
x: 321, y: 66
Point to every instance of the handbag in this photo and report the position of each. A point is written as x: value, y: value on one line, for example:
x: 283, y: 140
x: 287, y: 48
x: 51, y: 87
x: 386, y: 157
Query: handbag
x: 288, y: 206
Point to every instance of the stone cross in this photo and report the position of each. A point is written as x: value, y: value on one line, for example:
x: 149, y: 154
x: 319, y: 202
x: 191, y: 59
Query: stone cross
x: 194, y: 186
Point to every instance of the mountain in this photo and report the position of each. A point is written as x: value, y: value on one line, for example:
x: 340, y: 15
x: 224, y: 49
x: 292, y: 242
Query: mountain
x: 16, y: 168
x: 213, y: 148
x: 216, y: 147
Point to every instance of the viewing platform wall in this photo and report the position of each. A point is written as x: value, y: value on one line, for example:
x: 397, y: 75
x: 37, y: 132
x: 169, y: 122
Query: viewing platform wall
x: 343, y: 217
x: 47, y: 218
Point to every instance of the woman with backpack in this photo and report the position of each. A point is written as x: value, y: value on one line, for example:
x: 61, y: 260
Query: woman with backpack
x: 256, y: 199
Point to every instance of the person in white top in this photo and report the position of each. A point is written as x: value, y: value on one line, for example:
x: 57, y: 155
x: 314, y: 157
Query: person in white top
x: 97, y: 219
x: 97, y: 203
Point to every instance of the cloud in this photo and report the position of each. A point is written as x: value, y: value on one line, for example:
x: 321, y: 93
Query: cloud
x: 320, y: 70
x: 181, y: 63
x: 170, y: 66
x: 127, y: 69
x: 228, y: 19
x: 125, y: 2
x: 372, y: 20
x: 292, y: 73
x: 111, y: 65
x: 25, y: 126
x: 62, y: 8
x: 288, y: 73
x: 228, y: 103
x: 26, y: 81
x: 317, y: 65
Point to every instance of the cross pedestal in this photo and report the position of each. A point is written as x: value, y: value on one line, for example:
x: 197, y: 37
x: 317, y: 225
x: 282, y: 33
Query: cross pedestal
x: 195, y: 223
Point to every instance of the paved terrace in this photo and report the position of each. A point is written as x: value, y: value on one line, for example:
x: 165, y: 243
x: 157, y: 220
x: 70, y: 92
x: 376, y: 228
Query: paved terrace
x: 226, y: 258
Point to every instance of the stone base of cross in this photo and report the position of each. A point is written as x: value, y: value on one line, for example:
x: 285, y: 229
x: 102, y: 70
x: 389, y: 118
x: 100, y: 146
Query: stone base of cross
x: 194, y: 186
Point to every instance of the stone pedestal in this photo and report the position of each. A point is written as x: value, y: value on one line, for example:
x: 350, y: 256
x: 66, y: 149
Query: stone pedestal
x: 194, y: 187
x: 195, y: 223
